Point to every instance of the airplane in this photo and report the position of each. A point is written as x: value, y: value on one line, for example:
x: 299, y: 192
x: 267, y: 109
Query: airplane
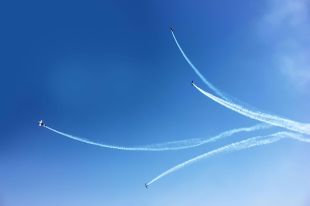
x: 171, y: 28
x: 146, y: 186
x: 192, y: 83
x: 41, y: 123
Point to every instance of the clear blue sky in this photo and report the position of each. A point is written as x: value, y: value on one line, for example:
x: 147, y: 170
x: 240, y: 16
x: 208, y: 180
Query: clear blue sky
x: 110, y: 71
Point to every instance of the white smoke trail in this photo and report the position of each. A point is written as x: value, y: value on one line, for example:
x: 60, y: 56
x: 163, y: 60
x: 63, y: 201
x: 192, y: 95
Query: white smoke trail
x: 217, y: 91
x: 260, y: 116
x: 244, y: 144
x: 267, y: 118
x: 175, y: 145
x: 196, y: 70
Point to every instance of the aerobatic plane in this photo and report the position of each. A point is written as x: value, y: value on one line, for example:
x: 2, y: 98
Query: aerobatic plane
x: 41, y: 123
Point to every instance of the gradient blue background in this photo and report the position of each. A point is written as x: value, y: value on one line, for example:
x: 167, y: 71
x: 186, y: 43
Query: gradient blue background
x: 110, y: 71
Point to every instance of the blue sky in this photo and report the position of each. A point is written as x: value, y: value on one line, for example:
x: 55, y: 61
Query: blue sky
x: 110, y: 71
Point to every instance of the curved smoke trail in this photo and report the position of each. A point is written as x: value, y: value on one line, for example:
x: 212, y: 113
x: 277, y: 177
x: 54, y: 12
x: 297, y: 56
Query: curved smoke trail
x: 260, y: 116
x: 217, y: 91
x: 196, y: 70
x: 267, y: 118
x: 175, y: 145
x: 244, y: 144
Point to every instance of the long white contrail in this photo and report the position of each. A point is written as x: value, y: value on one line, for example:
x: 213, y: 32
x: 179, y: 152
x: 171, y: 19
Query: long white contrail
x: 196, y: 70
x: 175, y: 145
x: 267, y: 118
x: 260, y: 116
x: 217, y: 91
x: 244, y: 144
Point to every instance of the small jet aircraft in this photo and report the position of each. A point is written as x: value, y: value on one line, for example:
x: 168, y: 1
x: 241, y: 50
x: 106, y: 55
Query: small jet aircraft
x: 146, y: 186
x: 192, y: 83
x: 41, y: 123
x: 171, y: 28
